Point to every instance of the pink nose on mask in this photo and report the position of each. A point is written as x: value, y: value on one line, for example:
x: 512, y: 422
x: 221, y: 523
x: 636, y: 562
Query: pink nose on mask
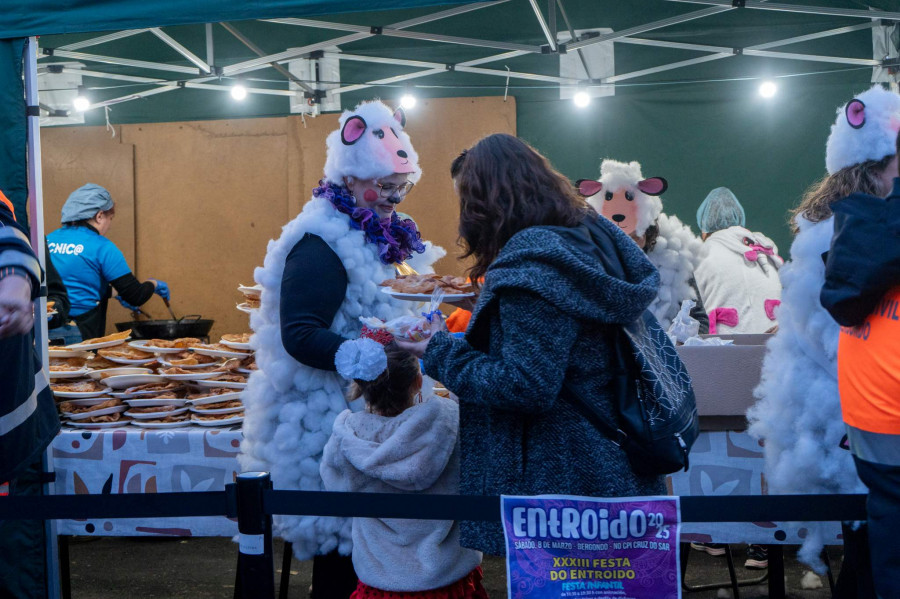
x: 399, y: 157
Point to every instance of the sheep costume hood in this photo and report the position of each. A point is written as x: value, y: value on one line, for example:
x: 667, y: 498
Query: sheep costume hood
x: 738, y: 279
x: 290, y: 407
x: 416, y: 451
x: 624, y: 196
x: 798, y: 412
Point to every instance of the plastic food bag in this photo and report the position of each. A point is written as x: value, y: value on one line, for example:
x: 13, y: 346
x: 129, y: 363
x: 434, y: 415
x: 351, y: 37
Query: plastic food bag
x: 693, y: 341
x: 414, y: 328
x: 684, y: 326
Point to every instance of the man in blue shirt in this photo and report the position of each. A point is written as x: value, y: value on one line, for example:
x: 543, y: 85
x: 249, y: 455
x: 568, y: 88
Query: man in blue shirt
x: 89, y: 263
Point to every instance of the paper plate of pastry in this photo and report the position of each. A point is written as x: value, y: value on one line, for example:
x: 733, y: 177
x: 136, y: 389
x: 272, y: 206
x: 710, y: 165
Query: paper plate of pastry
x: 217, y: 419
x: 419, y: 288
x: 236, y: 341
x: 176, y: 421
x: 79, y: 387
x: 217, y: 350
x: 105, y: 373
x: 154, y: 412
x: 211, y: 396
x: 116, y: 420
x: 138, y: 402
x: 162, y: 346
x: 101, y: 342
x: 61, y: 352
x: 75, y: 412
x: 127, y: 381
x: 227, y: 380
x: 126, y: 355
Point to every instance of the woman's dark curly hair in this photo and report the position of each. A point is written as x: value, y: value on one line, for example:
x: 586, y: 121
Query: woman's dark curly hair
x: 506, y: 186
x: 393, y: 391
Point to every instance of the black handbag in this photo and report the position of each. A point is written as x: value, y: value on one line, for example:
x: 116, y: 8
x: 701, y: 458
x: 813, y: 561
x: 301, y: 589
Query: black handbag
x: 652, y: 397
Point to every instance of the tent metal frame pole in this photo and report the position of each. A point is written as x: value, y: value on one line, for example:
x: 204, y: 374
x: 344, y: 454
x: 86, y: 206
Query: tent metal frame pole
x: 36, y: 226
x: 136, y: 96
x: 259, y: 52
x: 551, y: 37
x: 571, y: 29
x: 125, y: 62
x: 812, y: 10
x: 263, y: 61
x: 691, y: 16
x: 175, y: 45
x: 210, y: 45
x: 113, y: 76
x: 102, y: 40
x: 719, y: 52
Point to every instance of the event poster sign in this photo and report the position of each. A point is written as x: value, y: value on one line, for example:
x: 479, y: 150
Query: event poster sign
x: 581, y: 547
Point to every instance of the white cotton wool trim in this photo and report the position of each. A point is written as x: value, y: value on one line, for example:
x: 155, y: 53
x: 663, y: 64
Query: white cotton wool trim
x: 615, y: 175
x: 876, y: 139
x: 676, y: 255
x: 366, y: 158
x: 289, y: 407
x: 798, y: 413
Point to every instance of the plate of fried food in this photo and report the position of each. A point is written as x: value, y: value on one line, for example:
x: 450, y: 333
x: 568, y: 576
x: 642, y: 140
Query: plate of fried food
x: 154, y: 412
x: 179, y: 374
x: 116, y: 420
x: 236, y: 341
x: 105, y: 373
x: 61, y: 352
x: 125, y: 381
x: 212, y: 396
x: 217, y: 419
x: 127, y: 355
x: 90, y: 401
x: 164, y: 346
x: 80, y: 387
x: 188, y: 361
x: 80, y: 394
x: 229, y: 380
x: 217, y: 350
x: 100, y: 342
x: 248, y: 306
x: 419, y: 288
x: 176, y: 421
x: 229, y: 406
x: 157, y: 400
x: 105, y: 408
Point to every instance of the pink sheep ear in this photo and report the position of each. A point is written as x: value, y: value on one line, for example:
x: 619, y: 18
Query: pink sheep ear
x: 400, y: 117
x: 588, y: 187
x: 654, y: 186
x: 856, y: 113
x: 353, y: 129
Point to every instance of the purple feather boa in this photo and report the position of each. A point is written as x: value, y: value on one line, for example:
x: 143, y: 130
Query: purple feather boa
x: 397, y: 238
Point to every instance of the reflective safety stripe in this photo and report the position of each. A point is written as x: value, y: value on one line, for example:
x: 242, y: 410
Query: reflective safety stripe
x: 880, y: 448
x: 13, y: 419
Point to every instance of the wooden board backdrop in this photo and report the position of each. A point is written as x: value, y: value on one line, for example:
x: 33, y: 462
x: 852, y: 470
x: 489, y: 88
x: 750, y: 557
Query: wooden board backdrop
x: 197, y: 202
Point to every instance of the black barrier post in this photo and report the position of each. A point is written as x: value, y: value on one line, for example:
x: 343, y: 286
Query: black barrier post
x: 256, y: 565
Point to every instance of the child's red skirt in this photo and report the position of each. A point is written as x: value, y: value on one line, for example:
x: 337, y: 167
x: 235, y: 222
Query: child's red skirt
x: 465, y: 588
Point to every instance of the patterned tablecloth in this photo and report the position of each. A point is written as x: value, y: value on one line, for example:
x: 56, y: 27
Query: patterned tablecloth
x: 131, y: 460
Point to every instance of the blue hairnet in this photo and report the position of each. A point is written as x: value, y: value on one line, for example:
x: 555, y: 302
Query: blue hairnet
x: 85, y: 202
x: 719, y: 210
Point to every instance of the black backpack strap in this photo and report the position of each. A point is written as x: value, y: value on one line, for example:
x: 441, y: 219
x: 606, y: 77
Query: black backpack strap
x: 623, y: 369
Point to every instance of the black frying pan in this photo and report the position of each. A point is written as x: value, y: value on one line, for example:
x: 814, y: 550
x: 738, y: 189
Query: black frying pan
x: 186, y: 326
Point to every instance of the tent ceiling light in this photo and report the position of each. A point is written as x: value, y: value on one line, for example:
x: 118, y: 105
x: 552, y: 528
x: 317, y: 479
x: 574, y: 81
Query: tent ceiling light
x: 238, y: 92
x: 582, y: 99
x: 408, y: 101
x: 767, y: 89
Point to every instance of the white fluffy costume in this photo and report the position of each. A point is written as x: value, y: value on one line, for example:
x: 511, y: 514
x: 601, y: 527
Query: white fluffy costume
x: 290, y: 407
x: 625, y: 197
x: 414, y: 452
x: 738, y: 276
x: 798, y: 413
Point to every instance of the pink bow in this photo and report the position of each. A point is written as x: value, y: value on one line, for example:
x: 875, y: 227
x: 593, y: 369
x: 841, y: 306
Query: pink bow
x: 770, y: 305
x: 753, y: 253
x: 726, y: 316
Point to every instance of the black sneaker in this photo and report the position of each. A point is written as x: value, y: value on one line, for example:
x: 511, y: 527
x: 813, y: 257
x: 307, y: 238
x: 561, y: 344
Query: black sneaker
x: 757, y: 558
x: 716, y: 549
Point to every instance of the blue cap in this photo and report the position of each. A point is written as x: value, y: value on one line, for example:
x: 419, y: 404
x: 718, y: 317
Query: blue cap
x: 85, y: 202
x: 720, y: 210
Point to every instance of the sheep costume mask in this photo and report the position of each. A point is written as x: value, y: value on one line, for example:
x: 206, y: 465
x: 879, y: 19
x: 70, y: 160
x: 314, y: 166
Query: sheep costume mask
x: 290, y: 407
x: 798, y: 413
x: 625, y: 197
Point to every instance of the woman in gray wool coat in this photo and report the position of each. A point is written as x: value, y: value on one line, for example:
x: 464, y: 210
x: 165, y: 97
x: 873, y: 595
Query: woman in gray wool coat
x: 556, y: 278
